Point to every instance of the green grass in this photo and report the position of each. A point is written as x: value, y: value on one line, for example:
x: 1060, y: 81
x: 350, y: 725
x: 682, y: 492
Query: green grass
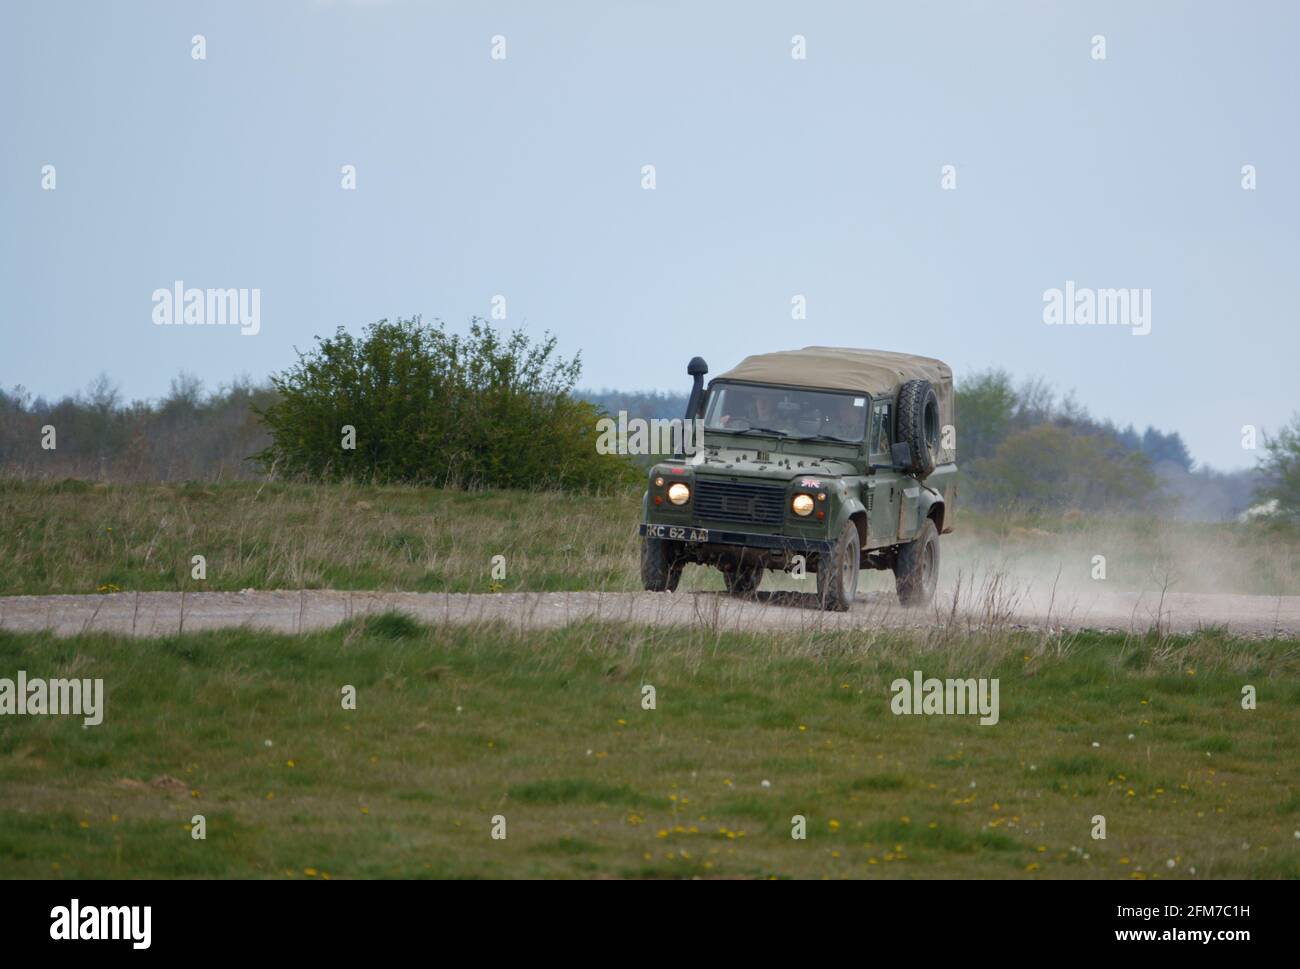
x: 457, y: 725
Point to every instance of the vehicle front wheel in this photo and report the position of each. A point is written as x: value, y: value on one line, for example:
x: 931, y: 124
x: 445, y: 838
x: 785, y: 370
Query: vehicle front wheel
x: 660, y: 568
x: 837, y: 572
x: 743, y: 579
x: 916, y: 570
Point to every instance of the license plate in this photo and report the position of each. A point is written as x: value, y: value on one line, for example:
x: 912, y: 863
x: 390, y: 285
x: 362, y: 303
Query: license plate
x: 677, y: 533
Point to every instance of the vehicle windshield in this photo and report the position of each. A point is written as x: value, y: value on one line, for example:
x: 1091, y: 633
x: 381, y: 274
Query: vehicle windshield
x: 804, y: 414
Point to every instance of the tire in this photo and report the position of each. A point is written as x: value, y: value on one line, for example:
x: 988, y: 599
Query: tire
x: 743, y: 579
x: 916, y: 569
x: 837, y: 572
x: 918, y: 424
x: 660, y: 570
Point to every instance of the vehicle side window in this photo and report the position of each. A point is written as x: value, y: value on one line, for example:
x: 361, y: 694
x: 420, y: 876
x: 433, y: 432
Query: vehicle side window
x: 881, y: 423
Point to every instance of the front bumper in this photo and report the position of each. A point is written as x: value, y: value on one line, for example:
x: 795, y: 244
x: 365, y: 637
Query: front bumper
x: 718, y: 536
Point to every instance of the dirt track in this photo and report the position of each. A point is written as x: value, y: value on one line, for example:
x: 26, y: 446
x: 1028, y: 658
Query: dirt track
x: 160, y: 613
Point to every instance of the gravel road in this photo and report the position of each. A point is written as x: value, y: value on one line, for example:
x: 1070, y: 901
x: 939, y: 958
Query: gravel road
x: 161, y: 613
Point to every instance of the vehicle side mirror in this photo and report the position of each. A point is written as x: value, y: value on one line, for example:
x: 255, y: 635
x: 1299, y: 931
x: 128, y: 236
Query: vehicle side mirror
x: 901, y: 455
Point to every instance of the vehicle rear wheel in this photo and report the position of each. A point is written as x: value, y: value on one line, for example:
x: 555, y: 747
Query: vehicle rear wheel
x: 837, y: 572
x: 916, y: 570
x: 743, y: 578
x: 660, y: 568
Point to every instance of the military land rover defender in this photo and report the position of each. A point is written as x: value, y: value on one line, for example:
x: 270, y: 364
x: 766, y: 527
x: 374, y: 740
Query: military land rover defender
x: 822, y: 460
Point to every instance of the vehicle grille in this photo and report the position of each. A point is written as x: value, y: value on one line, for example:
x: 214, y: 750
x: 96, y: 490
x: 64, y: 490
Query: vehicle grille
x: 732, y: 501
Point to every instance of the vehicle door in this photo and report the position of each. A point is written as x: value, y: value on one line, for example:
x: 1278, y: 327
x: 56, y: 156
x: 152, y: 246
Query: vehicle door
x: 884, y: 488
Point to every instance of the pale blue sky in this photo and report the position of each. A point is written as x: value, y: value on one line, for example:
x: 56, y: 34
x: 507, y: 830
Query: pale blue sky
x: 776, y: 177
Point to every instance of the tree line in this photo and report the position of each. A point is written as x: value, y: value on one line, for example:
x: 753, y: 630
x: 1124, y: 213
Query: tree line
x: 408, y: 401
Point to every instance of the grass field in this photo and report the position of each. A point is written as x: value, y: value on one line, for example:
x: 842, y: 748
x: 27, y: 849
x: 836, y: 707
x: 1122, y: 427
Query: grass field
x: 77, y: 537
x: 454, y: 726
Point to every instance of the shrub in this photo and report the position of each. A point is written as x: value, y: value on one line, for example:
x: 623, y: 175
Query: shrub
x: 479, y: 410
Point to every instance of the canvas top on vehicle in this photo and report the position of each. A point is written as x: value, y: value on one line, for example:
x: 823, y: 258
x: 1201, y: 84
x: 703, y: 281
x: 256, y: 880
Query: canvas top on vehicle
x: 874, y: 372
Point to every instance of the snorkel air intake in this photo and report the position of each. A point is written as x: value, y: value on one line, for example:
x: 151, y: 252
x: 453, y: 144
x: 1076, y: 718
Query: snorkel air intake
x: 697, y: 368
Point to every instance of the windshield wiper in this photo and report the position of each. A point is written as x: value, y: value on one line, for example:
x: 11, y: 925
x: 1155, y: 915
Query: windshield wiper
x: 830, y: 437
x: 755, y: 430
x: 774, y: 432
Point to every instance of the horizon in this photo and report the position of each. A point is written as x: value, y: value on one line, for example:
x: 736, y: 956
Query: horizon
x: 579, y: 390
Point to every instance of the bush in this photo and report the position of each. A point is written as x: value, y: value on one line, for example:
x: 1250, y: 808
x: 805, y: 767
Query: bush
x: 479, y: 410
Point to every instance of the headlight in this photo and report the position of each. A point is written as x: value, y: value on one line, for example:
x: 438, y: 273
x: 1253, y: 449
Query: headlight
x: 802, y: 504
x: 678, y: 493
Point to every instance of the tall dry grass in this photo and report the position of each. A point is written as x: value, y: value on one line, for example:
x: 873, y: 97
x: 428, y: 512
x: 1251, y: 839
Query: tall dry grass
x: 78, y: 537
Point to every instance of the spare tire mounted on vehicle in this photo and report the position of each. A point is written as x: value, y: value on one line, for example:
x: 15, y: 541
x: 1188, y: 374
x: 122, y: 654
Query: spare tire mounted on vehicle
x: 918, y: 424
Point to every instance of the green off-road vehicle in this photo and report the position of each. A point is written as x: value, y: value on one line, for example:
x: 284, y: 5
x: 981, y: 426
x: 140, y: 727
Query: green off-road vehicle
x: 821, y: 460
